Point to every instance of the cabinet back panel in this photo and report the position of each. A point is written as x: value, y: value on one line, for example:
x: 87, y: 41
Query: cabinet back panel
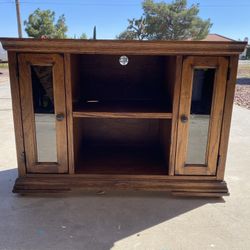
x: 104, y: 78
x: 120, y: 131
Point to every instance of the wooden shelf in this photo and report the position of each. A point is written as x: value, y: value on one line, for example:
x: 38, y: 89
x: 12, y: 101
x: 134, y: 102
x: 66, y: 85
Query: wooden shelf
x: 122, y: 109
x: 134, y: 160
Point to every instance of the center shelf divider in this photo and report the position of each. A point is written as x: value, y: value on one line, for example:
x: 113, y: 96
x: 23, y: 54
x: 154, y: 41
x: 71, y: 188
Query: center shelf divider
x: 122, y: 109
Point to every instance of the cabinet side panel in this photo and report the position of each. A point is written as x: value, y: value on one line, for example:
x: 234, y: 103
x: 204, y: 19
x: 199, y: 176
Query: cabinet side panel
x: 60, y: 107
x: 175, y: 109
x: 68, y: 82
x: 165, y: 140
x: 17, y: 115
x: 170, y: 77
x: 228, y: 106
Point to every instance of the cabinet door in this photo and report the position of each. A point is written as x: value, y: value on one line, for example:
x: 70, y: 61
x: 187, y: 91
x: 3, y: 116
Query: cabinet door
x: 200, y: 115
x: 41, y: 78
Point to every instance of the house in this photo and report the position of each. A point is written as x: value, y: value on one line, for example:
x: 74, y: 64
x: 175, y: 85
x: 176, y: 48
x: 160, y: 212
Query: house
x: 217, y: 38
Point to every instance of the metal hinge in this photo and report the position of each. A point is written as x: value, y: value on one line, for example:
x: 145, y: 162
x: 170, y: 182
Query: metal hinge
x: 228, y: 73
x: 218, y: 160
x: 23, y: 156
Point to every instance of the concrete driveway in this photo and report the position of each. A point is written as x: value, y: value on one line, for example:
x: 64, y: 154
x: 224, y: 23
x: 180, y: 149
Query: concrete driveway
x: 125, y: 220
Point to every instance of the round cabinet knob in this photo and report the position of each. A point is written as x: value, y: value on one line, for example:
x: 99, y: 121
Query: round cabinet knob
x: 184, y: 118
x: 59, y: 117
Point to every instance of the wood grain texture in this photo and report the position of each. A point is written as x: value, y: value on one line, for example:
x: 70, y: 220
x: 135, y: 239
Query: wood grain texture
x: 24, y: 62
x: 60, y: 108
x: 27, y: 112
x: 123, y: 46
x: 227, y: 115
x: 175, y: 111
x: 216, y: 115
x: 102, y: 182
x: 123, y: 109
x: 17, y: 114
x: 134, y: 177
x: 69, y: 107
x: 128, y: 115
x: 184, y: 108
x: 221, y: 66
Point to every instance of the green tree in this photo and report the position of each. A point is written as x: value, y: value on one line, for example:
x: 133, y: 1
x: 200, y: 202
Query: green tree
x: 83, y: 36
x: 136, y: 30
x: 163, y: 21
x: 42, y: 23
x: 94, y: 33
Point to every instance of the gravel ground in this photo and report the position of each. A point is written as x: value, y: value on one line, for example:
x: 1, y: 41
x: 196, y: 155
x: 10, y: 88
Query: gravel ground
x: 242, y: 93
x: 242, y: 96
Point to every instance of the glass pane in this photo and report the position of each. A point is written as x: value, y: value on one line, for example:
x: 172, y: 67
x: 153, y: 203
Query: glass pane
x: 202, y: 93
x: 43, y: 104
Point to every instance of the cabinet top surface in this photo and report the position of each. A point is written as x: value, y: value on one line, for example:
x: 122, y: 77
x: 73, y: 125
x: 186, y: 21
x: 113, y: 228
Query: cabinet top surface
x: 123, y: 46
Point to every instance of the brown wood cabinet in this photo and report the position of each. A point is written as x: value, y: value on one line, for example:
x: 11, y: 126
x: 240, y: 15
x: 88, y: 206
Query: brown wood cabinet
x: 122, y: 114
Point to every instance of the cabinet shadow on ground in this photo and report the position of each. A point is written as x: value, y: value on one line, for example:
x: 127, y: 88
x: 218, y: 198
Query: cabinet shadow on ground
x: 243, y: 81
x: 84, y: 220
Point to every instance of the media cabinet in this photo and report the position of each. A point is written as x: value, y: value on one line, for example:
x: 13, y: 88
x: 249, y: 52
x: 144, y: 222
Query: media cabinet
x: 107, y: 114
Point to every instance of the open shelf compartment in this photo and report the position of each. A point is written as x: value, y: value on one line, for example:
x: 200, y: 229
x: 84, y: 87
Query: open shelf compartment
x: 102, y: 87
x: 121, y: 146
x: 122, y: 114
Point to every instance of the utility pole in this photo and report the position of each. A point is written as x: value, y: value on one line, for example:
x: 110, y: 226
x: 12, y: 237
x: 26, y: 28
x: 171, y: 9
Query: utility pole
x: 18, y: 19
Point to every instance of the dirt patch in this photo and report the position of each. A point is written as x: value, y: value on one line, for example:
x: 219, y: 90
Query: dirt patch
x: 244, y: 69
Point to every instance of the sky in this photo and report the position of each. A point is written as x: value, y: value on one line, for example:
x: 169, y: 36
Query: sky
x: 230, y: 18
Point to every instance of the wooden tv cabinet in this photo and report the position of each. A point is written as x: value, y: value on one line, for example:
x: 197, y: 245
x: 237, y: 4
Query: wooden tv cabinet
x: 106, y: 114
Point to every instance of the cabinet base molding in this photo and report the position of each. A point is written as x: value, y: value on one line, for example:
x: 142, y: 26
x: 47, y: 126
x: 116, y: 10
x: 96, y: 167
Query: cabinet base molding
x: 181, y: 187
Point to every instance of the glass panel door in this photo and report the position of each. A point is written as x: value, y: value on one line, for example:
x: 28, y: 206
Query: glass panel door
x: 201, y: 108
x: 200, y: 111
x: 43, y: 110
